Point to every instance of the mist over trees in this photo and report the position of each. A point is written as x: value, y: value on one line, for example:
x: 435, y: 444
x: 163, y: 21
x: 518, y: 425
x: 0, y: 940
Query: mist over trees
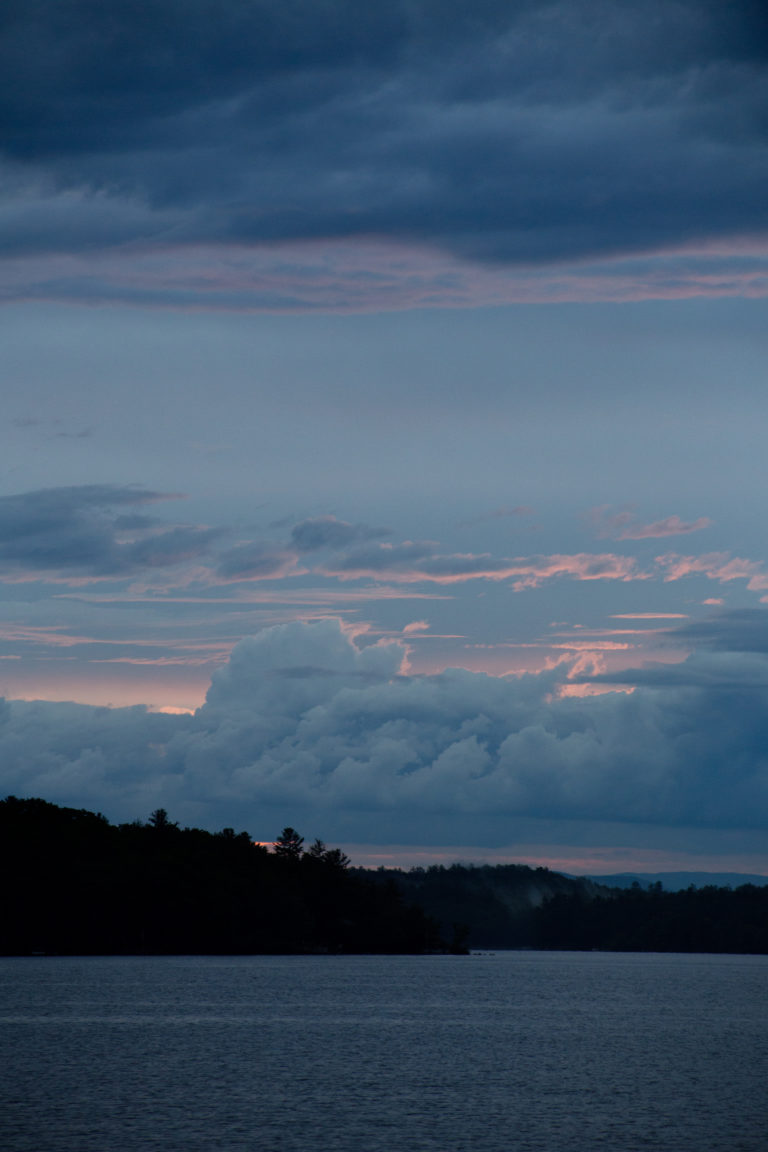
x: 486, y: 906
x: 514, y: 906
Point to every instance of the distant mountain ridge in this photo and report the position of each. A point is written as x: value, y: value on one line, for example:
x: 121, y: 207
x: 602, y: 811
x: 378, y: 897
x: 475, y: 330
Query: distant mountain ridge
x: 676, y: 881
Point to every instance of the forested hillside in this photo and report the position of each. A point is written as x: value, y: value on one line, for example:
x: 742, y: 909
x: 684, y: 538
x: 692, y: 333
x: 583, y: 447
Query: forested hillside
x: 486, y: 906
x: 512, y: 906
x: 76, y: 884
x: 707, y: 919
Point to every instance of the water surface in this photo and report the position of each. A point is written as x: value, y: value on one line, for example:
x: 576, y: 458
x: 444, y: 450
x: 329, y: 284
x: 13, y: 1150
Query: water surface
x: 513, y: 1052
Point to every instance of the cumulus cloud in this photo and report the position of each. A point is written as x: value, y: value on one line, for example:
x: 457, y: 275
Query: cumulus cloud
x: 509, y: 133
x: 302, y: 720
x: 79, y: 754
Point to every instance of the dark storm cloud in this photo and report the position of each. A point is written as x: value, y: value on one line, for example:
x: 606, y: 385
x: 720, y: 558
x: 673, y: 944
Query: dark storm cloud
x: 78, y: 531
x: 532, y: 131
x: 301, y: 719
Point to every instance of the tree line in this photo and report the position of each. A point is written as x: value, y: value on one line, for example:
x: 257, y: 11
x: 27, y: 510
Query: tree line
x: 514, y: 906
x: 76, y: 884
x: 708, y: 919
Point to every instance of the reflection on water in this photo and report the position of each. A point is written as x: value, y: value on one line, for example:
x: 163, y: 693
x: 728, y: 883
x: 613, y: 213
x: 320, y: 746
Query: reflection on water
x: 514, y: 1052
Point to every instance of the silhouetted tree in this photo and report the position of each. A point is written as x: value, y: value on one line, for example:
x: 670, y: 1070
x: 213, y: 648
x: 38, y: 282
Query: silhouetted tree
x: 288, y: 844
x: 159, y: 819
x: 335, y: 858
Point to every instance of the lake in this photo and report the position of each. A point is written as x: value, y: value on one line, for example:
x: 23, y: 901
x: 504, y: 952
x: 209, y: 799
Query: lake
x: 506, y: 1052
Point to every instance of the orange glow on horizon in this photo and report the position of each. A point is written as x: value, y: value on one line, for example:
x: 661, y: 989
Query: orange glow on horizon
x: 157, y: 693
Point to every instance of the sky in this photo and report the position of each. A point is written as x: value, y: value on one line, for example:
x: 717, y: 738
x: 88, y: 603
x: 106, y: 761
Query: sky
x: 384, y: 410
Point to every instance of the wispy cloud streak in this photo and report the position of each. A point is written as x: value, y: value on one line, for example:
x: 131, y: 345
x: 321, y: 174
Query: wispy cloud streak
x: 623, y: 525
x: 414, y: 562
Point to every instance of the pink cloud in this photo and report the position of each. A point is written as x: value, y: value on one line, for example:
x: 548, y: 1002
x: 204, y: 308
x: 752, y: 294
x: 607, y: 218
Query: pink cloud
x: 582, y: 690
x: 581, y: 566
x: 34, y: 634
x: 720, y: 566
x: 330, y: 597
x: 568, y: 646
x: 363, y: 275
x: 416, y: 626
x: 255, y: 561
x: 622, y: 525
x: 612, y: 632
x: 165, y: 661
x: 411, y: 562
x: 593, y: 859
x: 649, y: 616
x: 592, y: 646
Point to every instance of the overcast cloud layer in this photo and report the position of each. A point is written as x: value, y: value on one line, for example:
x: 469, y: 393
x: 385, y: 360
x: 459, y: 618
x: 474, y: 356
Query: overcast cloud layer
x: 516, y: 135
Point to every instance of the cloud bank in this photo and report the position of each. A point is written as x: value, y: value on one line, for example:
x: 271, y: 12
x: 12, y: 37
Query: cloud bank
x: 96, y: 532
x: 508, y: 134
x: 301, y: 721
